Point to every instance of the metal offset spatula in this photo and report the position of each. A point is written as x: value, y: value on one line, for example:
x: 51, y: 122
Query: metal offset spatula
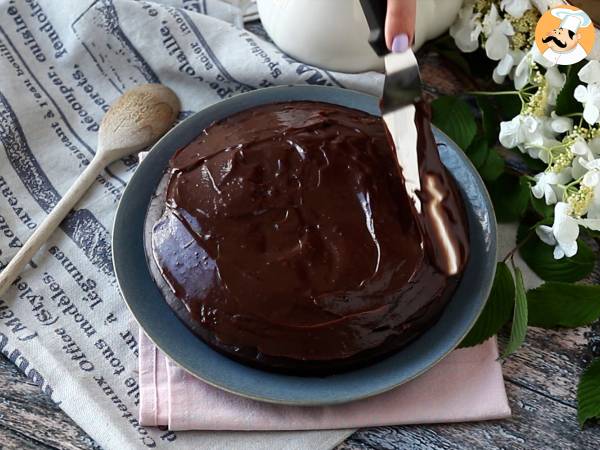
x: 402, y: 88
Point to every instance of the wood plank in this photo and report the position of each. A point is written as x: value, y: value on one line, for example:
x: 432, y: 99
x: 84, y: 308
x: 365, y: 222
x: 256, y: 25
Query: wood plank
x: 541, y: 380
x: 536, y: 366
x: 550, y: 362
x: 11, y: 440
x: 26, y: 412
x: 537, y: 423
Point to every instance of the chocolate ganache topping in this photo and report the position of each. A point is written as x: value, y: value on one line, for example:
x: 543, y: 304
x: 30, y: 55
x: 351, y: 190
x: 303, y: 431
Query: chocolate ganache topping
x: 290, y: 240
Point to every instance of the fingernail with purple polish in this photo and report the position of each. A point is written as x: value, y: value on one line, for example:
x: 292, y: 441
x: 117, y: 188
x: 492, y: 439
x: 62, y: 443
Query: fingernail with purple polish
x: 400, y: 43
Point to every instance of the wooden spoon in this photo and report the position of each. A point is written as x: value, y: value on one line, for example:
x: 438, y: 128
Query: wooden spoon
x: 136, y: 120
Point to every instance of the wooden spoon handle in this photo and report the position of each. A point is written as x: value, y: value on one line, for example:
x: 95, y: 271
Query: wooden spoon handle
x: 50, y: 223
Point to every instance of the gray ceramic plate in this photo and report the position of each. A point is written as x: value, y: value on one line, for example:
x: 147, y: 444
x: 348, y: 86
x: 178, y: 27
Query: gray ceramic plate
x: 187, y: 350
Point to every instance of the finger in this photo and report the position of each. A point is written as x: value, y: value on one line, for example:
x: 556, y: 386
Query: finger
x: 400, y: 20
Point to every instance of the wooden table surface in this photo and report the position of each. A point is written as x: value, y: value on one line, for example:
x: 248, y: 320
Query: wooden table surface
x: 541, y: 381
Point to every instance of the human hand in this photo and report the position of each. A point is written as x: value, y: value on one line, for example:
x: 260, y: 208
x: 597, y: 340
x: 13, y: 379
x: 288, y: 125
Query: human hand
x: 400, y: 24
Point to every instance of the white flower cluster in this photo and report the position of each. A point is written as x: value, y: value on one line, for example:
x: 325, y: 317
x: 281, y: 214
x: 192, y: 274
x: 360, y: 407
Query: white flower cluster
x: 570, y: 146
x: 481, y: 20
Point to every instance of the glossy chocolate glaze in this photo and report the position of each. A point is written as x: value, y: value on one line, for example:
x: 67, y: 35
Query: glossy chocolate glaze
x: 290, y: 239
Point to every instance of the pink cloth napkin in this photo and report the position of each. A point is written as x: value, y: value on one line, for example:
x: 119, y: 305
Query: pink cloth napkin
x: 466, y: 386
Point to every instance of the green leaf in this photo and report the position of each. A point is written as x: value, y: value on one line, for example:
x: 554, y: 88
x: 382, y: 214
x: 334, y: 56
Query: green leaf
x: 497, y: 310
x: 481, y: 65
x: 527, y: 229
x: 454, y: 117
x: 493, y: 166
x: 588, y: 393
x: 534, y: 165
x: 591, y: 233
x: 509, y: 106
x: 478, y: 152
x: 565, y: 102
x: 476, y: 61
x: 540, y: 207
x: 540, y: 258
x: 568, y: 305
x: 519, y: 323
x: 510, y: 196
x: 489, y: 118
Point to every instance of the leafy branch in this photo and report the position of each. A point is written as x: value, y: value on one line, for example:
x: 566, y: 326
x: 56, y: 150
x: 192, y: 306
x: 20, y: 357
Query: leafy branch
x: 472, y: 120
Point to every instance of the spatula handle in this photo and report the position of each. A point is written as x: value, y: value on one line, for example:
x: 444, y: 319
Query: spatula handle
x: 50, y: 223
x: 375, y: 12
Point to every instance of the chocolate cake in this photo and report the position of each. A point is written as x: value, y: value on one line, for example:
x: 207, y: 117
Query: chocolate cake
x: 288, y: 241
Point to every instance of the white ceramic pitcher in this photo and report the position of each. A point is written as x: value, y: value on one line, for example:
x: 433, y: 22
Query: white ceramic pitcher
x: 333, y: 34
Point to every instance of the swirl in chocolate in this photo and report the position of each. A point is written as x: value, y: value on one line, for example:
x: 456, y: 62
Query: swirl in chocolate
x: 290, y: 239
